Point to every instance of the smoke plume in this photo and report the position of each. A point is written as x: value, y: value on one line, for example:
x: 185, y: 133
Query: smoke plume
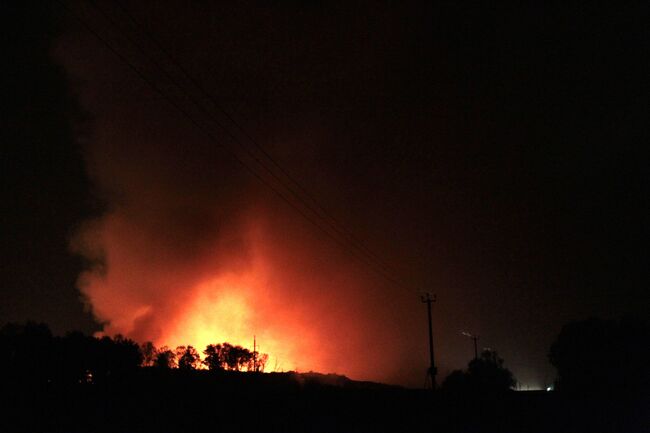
x: 193, y: 249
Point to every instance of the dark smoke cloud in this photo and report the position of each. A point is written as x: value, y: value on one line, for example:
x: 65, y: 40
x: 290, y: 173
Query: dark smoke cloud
x: 44, y: 187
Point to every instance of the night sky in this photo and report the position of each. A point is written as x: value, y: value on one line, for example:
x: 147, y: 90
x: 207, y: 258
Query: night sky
x: 490, y: 155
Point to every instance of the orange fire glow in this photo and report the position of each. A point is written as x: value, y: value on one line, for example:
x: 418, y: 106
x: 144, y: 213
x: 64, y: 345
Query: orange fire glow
x: 150, y: 298
x: 223, y: 310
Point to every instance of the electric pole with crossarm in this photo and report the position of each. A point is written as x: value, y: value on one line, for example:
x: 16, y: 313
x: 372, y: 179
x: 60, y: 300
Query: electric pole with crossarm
x: 431, y: 373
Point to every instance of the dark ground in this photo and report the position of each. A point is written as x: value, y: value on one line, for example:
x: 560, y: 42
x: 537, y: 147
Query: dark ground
x: 175, y: 401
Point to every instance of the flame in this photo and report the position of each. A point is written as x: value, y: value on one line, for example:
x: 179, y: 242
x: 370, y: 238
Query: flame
x: 174, y: 303
x: 158, y: 280
x: 223, y: 310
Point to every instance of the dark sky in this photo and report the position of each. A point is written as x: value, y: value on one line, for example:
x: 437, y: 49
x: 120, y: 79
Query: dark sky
x: 491, y: 155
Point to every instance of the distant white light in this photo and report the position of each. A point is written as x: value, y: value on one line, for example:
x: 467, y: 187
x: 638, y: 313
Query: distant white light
x: 532, y: 387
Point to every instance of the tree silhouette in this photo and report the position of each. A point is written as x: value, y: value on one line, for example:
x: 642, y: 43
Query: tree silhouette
x: 213, y: 357
x: 597, y: 356
x: 239, y: 358
x: 226, y: 356
x: 488, y: 372
x: 236, y: 357
x: 77, y: 355
x: 485, y: 374
x: 148, y: 351
x: 86, y: 359
x: 30, y: 354
x: 456, y: 382
x: 165, y: 358
x: 118, y: 355
x: 188, y: 358
x: 27, y: 352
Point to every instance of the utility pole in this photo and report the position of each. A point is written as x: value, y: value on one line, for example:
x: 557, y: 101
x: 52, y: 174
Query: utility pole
x: 254, y: 353
x: 431, y: 373
x: 475, y: 338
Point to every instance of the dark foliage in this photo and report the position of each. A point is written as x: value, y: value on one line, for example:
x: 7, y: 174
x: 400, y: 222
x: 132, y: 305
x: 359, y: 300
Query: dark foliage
x: 148, y: 351
x: 597, y: 356
x: 188, y: 358
x: 84, y: 384
x: 164, y: 358
x: 228, y: 357
x: 30, y: 354
x: 27, y: 351
x: 213, y: 358
x: 485, y: 374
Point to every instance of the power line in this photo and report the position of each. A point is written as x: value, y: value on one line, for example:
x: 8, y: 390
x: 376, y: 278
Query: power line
x: 320, y: 211
x: 364, y: 251
x: 363, y: 258
x: 335, y: 224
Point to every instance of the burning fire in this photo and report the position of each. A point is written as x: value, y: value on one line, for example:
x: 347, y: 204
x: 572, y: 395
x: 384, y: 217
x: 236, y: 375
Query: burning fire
x: 223, y: 310
x: 181, y: 302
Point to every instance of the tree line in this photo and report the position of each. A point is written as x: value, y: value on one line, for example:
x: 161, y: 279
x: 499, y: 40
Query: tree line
x: 31, y: 353
x: 224, y: 356
x: 592, y: 356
